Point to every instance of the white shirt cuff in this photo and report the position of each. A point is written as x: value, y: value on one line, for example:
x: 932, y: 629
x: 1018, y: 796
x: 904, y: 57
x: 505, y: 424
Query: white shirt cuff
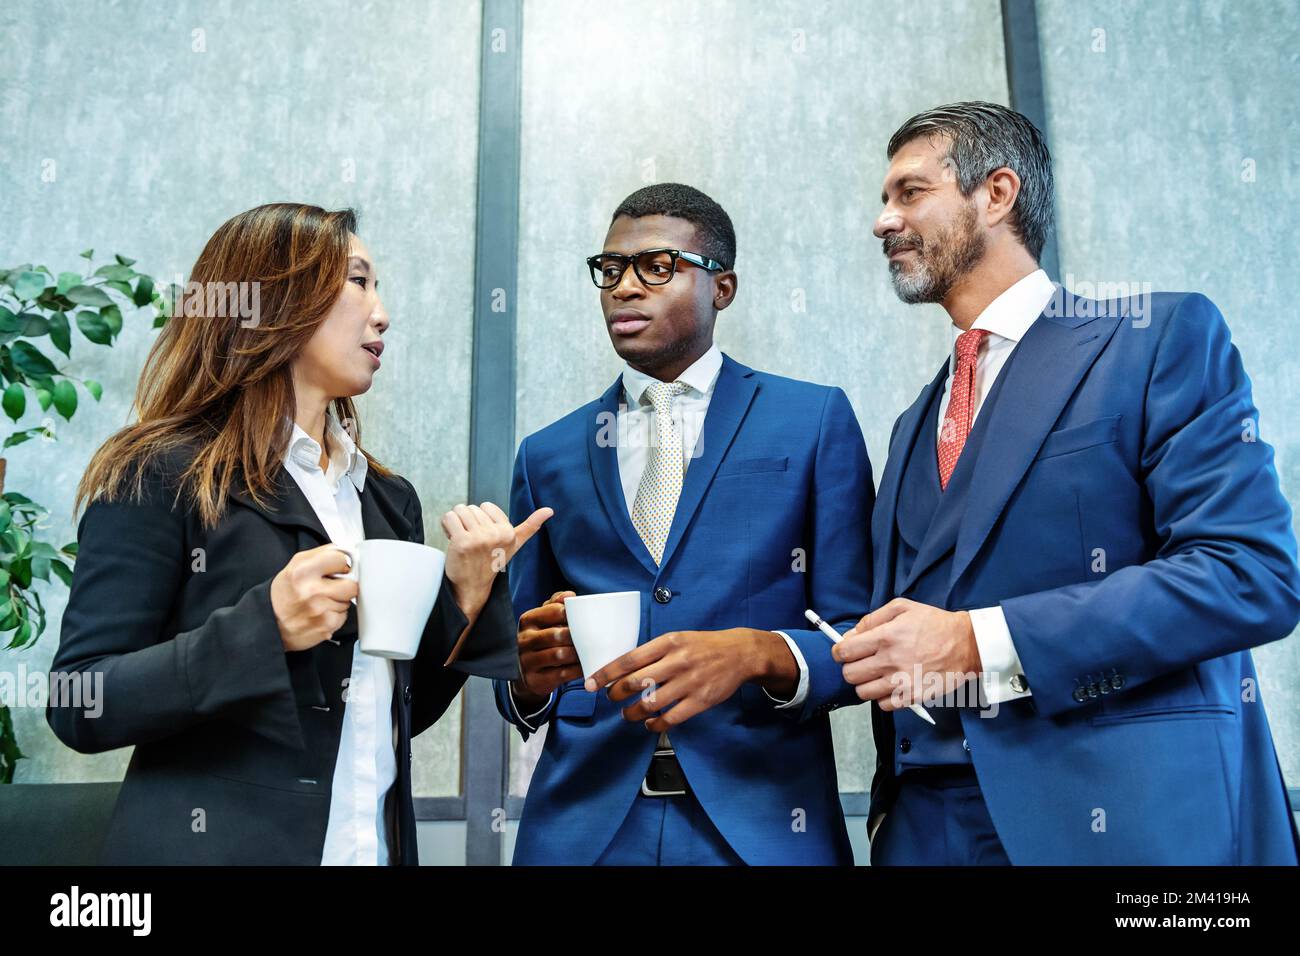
x: 1002, y: 675
x: 800, y: 692
x: 526, y: 721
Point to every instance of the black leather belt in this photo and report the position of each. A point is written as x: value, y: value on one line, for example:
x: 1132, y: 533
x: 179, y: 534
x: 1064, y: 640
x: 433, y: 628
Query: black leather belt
x: 943, y: 775
x: 665, y: 777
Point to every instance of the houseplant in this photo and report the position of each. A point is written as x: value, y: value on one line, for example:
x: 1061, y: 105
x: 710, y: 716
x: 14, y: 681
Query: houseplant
x: 38, y: 313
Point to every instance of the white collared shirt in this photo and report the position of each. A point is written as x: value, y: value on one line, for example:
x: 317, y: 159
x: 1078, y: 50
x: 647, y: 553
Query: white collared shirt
x: 636, y: 431
x: 1007, y: 318
x: 366, y: 768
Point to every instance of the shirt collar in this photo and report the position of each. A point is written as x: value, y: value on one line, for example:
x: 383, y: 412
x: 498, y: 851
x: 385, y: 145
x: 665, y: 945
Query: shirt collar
x: 345, y: 458
x: 1012, y: 313
x: 701, y: 376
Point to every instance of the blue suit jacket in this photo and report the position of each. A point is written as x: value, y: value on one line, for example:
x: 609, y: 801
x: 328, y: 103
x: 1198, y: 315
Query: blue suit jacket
x: 773, y: 518
x: 1127, y: 518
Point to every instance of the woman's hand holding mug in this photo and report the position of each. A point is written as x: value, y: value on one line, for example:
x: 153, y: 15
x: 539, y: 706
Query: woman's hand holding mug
x: 310, y: 603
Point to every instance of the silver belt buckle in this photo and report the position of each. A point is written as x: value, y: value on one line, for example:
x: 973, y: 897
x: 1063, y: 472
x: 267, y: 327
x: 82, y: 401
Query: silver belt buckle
x: 645, y: 785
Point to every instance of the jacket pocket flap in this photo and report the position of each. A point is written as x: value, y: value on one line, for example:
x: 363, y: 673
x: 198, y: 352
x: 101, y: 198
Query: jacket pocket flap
x: 748, y: 466
x: 1079, y: 437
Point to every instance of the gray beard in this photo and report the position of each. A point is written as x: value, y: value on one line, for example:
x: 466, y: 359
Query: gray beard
x: 939, y: 264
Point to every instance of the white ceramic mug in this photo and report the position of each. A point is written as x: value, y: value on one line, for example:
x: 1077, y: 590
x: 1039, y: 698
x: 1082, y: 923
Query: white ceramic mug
x: 603, y: 627
x: 398, y: 586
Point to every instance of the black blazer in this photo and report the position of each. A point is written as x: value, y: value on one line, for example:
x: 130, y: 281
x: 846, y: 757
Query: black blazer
x: 235, y: 738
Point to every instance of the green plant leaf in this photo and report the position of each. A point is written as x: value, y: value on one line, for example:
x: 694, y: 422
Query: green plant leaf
x: 6, y: 519
x: 29, y: 285
x: 143, y: 291
x: 124, y: 260
x: 34, y: 326
x: 66, y: 281
x: 118, y: 286
x: 94, y: 328
x: 23, y: 636
x: 65, y: 398
x: 94, y: 388
x: 60, y: 333
x: 17, y: 438
x: 118, y: 273
x: 70, y: 548
x: 14, y: 402
x: 51, y: 301
x: 61, y: 571
x: 89, y: 295
x: 112, y: 317
x: 30, y: 360
x: 44, y: 396
x: 88, y: 254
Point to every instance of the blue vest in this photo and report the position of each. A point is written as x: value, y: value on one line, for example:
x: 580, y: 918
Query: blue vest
x: 928, y: 519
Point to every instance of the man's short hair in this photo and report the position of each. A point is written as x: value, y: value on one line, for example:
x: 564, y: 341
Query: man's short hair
x: 713, y: 227
x: 983, y: 137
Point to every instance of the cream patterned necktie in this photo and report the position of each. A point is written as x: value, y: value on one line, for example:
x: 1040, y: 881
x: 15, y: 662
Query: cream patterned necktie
x: 661, y: 482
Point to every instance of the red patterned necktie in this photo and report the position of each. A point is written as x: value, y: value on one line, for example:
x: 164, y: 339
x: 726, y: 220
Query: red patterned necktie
x: 961, y: 404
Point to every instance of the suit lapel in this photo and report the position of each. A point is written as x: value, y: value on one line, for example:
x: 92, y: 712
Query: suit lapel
x: 602, y: 450
x: 884, y: 519
x: 1053, y: 357
x: 287, y: 506
x: 731, y: 399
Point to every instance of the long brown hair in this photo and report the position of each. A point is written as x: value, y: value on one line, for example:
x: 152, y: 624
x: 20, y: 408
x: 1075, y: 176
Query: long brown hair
x: 219, y: 387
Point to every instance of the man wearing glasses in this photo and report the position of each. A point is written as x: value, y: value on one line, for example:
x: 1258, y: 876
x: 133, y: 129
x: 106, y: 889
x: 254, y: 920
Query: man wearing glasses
x: 733, y: 501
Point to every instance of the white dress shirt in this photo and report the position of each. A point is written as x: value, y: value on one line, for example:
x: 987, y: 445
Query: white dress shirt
x: 636, y: 431
x: 357, y: 833
x: 1007, y: 318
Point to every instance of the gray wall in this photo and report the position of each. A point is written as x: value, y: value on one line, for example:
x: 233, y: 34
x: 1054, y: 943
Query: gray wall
x: 777, y: 109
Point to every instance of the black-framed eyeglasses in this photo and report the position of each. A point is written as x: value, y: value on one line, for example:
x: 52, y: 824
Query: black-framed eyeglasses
x: 652, y: 266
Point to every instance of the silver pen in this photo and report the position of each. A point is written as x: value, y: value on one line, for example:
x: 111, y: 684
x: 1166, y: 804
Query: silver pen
x: 836, y: 637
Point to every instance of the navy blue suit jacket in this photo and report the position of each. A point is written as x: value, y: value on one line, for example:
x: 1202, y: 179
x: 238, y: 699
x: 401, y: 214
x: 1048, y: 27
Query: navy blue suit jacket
x: 1127, y: 518
x: 774, y: 517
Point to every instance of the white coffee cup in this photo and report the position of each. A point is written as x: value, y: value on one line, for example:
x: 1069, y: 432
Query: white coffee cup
x: 603, y: 627
x: 398, y: 586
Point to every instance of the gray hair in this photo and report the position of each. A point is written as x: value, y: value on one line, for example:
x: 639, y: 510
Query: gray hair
x: 983, y: 137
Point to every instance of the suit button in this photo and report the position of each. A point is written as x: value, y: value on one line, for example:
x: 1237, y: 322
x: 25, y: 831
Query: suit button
x: 1116, y: 681
x: 1104, y: 687
x: 1080, y: 694
x: 1092, y: 691
x: 1019, y: 684
x: 406, y: 694
x: 905, y: 745
x: 965, y: 745
x: 663, y: 595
